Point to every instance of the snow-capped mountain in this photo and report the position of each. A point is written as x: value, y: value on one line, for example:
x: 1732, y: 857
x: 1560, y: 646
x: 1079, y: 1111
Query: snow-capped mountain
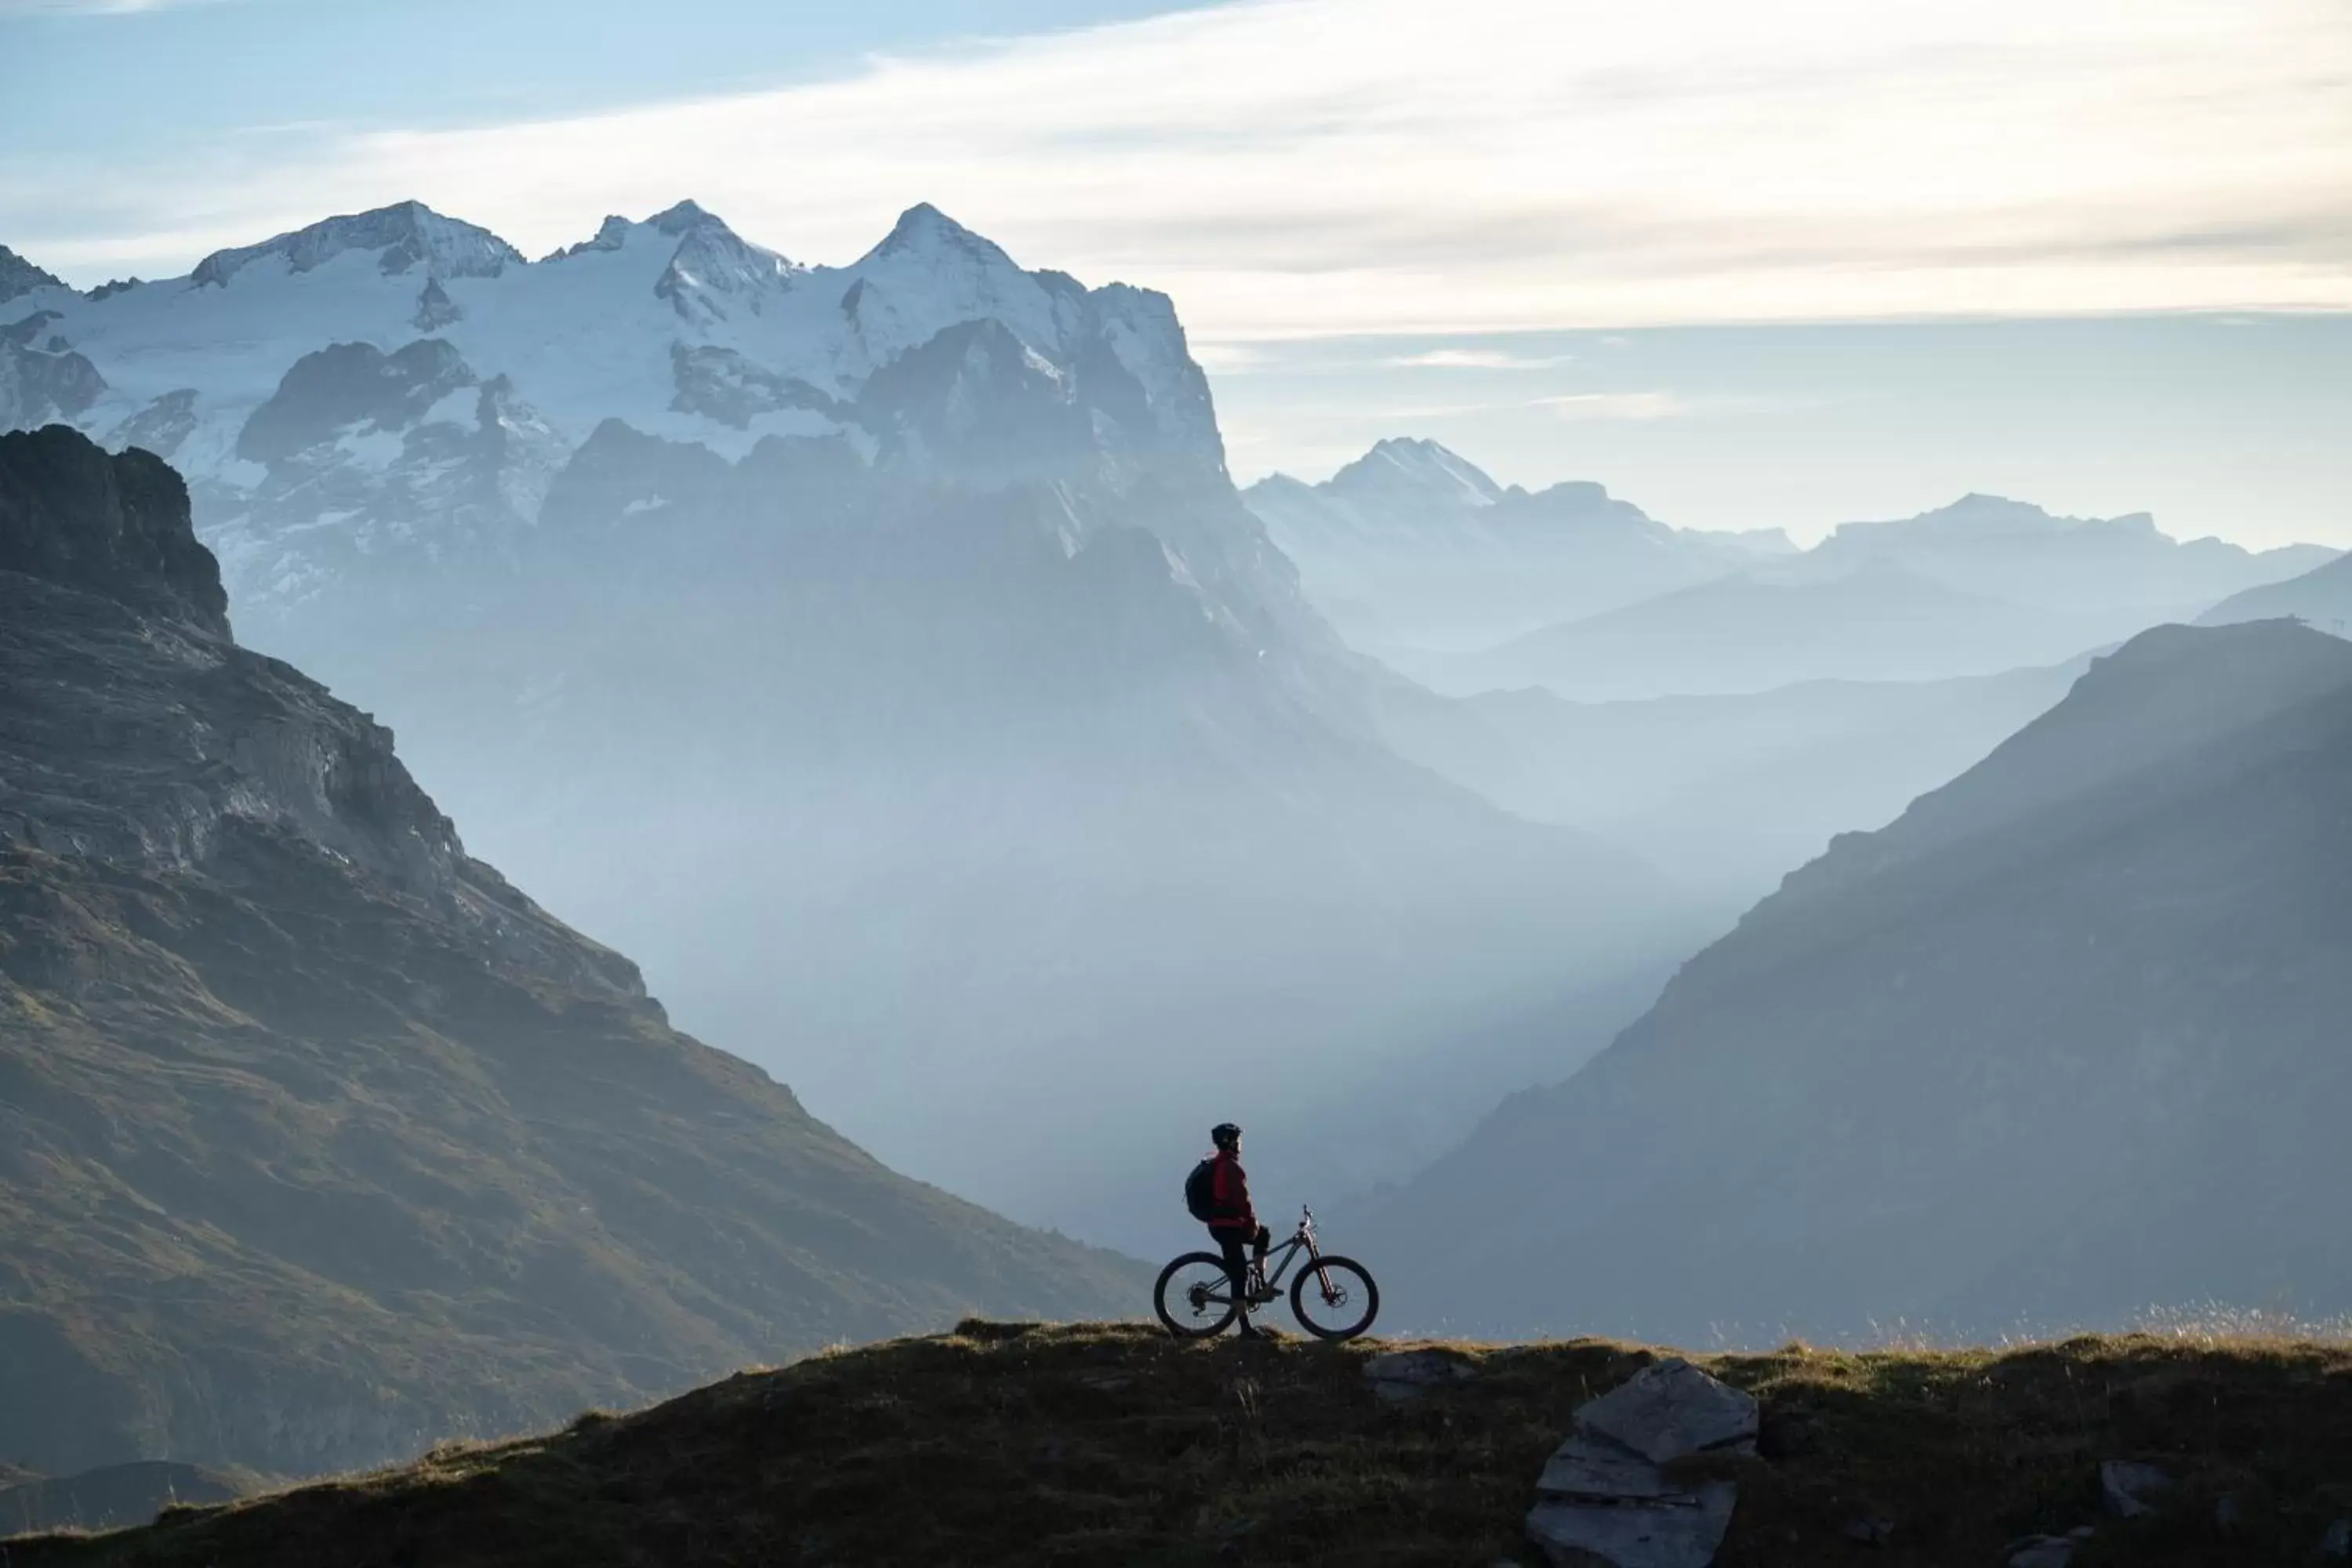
x: 883, y: 653
x: 1413, y: 546
x: 402, y: 383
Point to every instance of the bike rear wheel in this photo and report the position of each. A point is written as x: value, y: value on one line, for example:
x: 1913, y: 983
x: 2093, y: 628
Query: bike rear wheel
x: 1195, y: 1296
x: 1334, y: 1298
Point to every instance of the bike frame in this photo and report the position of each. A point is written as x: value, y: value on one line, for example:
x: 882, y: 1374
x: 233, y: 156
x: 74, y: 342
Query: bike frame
x: 1301, y: 1240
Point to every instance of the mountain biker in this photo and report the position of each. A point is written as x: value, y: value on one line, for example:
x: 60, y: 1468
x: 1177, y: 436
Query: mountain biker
x: 1233, y: 1224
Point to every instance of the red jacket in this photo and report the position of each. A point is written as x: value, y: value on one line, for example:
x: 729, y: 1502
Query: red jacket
x: 1229, y: 1194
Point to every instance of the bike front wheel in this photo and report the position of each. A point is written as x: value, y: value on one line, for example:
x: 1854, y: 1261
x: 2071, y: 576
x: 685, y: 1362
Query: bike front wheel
x: 1334, y: 1298
x: 1195, y: 1296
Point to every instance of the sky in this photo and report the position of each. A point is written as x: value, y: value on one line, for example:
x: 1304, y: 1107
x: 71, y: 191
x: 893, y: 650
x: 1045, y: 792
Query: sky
x: 1749, y: 264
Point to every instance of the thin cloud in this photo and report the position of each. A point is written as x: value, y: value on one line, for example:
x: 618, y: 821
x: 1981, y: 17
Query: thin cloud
x: 1475, y: 359
x: 1309, y: 168
x: 1619, y: 406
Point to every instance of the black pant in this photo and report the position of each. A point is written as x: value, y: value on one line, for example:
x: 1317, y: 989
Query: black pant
x: 1235, y: 1244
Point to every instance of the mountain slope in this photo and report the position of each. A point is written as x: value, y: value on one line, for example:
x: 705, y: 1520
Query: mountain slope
x: 322, y: 1142
x: 1411, y: 546
x: 2064, y: 1041
x: 1762, y: 629
x: 1725, y: 794
x: 2321, y: 597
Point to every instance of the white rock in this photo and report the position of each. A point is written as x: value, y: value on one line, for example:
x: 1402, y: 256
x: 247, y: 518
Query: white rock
x: 1594, y: 1467
x: 1604, y: 1497
x: 1406, y: 1375
x: 1670, y: 1410
x: 1684, y: 1533
x: 2128, y: 1487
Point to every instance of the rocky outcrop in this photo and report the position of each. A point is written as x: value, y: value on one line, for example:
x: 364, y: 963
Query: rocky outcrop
x: 370, y: 442
x: 18, y: 276
x: 116, y: 526
x: 1606, y: 1495
x: 41, y: 375
x: 726, y: 386
x: 355, y: 389
x: 2132, y: 1489
x: 435, y: 309
x: 1400, y: 1375
x: 160, y: 427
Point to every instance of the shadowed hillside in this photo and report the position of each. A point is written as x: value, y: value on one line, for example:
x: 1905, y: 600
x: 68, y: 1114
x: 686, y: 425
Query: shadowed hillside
x: 2321, y: 597
x: 320, y: 1142
x: 2064, y: 1041
x: 1094, y: 1446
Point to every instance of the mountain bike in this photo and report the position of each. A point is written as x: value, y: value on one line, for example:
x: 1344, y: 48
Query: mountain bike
x: 1333, y: 1298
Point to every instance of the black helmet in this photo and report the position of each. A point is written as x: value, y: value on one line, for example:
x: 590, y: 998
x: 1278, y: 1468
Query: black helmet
x: 1224, y: 1134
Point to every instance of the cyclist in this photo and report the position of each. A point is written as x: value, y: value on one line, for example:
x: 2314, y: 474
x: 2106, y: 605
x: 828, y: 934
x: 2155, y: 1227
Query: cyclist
x: 1233, y: 1224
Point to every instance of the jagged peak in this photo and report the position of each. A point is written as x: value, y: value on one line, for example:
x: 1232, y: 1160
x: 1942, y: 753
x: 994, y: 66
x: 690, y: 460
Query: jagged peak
x: 686, y: 215
x: 611, y: 234
x: 18, y: 276
x: 1418, y: 464
x: 712, y: 259
x: 404, y: 235
x: 924, y: 230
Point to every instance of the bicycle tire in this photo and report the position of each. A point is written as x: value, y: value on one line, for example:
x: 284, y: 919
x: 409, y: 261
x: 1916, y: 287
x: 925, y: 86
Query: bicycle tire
x: 1197, y: 1328
x: 1332, y: 1261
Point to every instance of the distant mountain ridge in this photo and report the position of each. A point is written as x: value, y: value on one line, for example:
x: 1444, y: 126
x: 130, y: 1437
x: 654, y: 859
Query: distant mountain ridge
x: 1421, y: 559
x: 1769, y: 627
x: 1725, y: 794
x: 2015, y: 551
x: 2321, y: 597
x: 1413, y: 545
x: 2062, y: 1043
x: 318, y: 1142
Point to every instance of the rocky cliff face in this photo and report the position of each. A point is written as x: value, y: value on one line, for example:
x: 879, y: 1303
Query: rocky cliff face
x: 113, y: 526
x: 320, y: 1142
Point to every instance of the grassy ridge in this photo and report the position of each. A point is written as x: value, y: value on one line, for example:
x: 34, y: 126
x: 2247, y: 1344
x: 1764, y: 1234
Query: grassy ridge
x: 1101, y: 1444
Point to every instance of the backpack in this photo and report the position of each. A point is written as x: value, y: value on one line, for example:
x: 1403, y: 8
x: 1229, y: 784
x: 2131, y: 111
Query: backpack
x: 1199, y: 1189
